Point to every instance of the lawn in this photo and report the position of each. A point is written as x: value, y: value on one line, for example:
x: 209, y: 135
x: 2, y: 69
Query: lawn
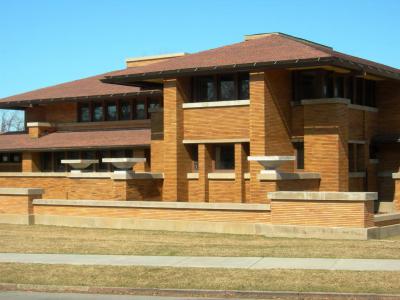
x: 52, y: 239
x: 198, y: 278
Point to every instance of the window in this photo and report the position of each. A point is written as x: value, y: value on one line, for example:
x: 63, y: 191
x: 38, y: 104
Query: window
x: 314, y: 84
x: 244, y: 86
x: 102, y: 167
x: 117, y: 110
x: 220, y: 87
x: 111, y: 114
x: 10, y: 158
x: 125, y: 109
x: 98, y: 113
x: 140, y: 110
x: 58, y: 166
x: 194, y: 156
x: 227, y: 87
x: 46, y: 161
x: 224, y: 157
x: 84, y: 112
x: 299, y: 152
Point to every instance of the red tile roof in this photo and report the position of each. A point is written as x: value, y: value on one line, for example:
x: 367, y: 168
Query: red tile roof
x: 271, y: 48
x: 87, y: 87
x: 76, y: 139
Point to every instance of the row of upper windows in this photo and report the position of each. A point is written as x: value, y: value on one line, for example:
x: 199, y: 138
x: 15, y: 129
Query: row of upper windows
x: 314, y: 84
x: 117, y: 110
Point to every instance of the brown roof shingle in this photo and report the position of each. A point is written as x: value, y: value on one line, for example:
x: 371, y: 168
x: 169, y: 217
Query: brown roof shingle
x: 87, y: 87
x: 271, y: 48
x: 76, y: 139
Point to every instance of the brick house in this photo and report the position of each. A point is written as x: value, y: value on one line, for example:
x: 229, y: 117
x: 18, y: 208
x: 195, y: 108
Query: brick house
x: 324, y: 125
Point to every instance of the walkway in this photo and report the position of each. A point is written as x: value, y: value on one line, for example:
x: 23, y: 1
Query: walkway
x: 252, y: 263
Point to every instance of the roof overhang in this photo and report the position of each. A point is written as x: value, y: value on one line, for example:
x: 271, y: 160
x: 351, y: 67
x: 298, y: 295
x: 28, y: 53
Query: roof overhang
x: 27, y: 103
x: 130, y: 79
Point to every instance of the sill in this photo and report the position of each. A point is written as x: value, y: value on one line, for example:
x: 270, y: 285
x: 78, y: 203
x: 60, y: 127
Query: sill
x: 225, y: 103
x: 221, y: 176
x: 192, y: 175
x: 334, y: 100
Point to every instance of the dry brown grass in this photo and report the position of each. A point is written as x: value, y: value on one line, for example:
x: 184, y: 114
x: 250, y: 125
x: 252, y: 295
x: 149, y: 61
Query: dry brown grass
x: 51, y: 239
x: 198, y: 278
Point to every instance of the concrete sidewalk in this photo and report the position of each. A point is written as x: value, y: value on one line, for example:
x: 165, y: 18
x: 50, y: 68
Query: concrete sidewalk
x: 252, y: 263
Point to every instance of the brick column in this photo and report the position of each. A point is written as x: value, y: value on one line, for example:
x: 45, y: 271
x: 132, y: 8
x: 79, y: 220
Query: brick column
x: 176, y: 157
x: 240, y: 162
x: 30, y: 162
x: 205, y: 167
x: 270, y: 96
x: 326, y: 142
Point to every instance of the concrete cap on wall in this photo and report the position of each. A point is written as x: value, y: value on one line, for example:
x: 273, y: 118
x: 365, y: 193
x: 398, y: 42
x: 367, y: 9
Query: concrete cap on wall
x: 323, y: 196
x: 21, y: 191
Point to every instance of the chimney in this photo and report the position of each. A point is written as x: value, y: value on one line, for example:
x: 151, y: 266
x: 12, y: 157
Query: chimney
x: 147, y: 60
x: 38, y: 129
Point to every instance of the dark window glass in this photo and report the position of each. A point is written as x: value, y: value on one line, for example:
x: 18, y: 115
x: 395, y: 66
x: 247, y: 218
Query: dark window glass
x: 307, y: 88
x: 73, y: 155
x: 46, y: 161
x: 359, y: 91
x: 125, y: 110
x: 194, y: 156
x: 118, y: 153
x: 370, y: 93
x: 244, y: 89
x: 205, y: 88
x: 225, y: 157
x: 89, y: 155
x: 98, y: 113
x: 299, y: 146
x: 111, y: 111
x: 84, y: 112
x: 102, y: 167
x: 140, y: 110
x: 227, y: 87
x: 373, y: 151
x: 153, y: 105
x: 339, y: 87
x: 328, y: 86
x: 16, y: 157
x: 350, y: 89
x: 58, y: 166
x: 5, y: 157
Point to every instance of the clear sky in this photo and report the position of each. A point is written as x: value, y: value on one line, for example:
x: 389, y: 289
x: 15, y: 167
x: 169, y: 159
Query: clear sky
x: 44, y: 42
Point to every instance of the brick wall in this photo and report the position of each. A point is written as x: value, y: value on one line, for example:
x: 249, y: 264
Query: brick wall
x: 216, y: 123
x: 326, y: 144
x: 30, y: 162
x: 155, y: 214
x: 322, y: 213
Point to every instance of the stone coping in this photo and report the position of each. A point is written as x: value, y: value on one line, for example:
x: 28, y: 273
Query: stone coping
x: 339, y: 100
x: 323, y: 196
x: 325, y: 101
x: 287, y: 176
x: 222, y: 175
x: 271, y: 158
x: 135, y: 175
x: 193, y: 175
x: 21, y: 191
x: 124, y: 160
x: 396, y: 175
x: 387, y: 217
x: 386, y: 174
x: 39, y: 124
x: 216, y: 141
x: 357, y: 174
x: 226, y: 103
x: 155, y: 204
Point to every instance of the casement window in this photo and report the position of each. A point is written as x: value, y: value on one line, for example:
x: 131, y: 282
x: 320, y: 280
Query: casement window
x: 193, y: 151
x: 224, y: 157
x: 315, y: 84
x: 10, y: 158
x: 356, y: 157
x: 299, y: 154
x: 222, y: 87
x: 133, y: 109
x: 111, y: 111
x: 51, y: 161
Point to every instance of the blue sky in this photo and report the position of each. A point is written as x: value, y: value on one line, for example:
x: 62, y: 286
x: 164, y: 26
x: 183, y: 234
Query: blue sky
x: 45, y: 42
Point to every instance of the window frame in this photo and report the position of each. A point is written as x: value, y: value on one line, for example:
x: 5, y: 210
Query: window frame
x: 217, y: 161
